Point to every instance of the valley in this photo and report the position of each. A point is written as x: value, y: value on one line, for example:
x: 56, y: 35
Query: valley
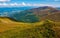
x: 42, y: 22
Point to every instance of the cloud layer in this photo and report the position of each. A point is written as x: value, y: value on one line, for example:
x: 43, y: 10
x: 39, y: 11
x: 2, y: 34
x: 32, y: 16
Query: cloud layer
x: 16, y: 4
x: 21, y: 4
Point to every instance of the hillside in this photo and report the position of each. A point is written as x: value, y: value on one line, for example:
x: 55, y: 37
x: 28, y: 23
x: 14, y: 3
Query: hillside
x: 9, y: 29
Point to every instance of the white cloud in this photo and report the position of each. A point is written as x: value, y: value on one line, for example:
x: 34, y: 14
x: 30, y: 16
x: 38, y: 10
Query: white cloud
x: 4, y: 0
x: 23, y: 3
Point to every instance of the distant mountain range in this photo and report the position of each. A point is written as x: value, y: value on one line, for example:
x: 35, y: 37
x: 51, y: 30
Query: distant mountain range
x: 30, y: 13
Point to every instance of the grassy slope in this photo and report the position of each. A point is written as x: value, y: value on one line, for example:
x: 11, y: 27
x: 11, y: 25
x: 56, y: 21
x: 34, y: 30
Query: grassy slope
x: 11, y: 29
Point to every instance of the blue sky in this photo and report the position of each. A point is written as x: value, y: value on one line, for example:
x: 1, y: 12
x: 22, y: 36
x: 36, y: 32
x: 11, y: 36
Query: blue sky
x: 18, y: 3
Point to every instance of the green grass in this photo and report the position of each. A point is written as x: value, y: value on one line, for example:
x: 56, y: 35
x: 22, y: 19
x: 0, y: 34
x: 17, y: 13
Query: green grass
x: 38, y: 31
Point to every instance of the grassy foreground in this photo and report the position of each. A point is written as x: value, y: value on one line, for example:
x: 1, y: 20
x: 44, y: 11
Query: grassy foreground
x: 43, y: 29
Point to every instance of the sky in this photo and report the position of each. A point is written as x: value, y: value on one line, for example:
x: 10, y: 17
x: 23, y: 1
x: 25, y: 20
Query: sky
x: 21, y: 3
